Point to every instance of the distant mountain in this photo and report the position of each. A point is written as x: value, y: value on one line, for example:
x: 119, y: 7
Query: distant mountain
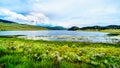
x: 74, y: 28
x: 55, y: 27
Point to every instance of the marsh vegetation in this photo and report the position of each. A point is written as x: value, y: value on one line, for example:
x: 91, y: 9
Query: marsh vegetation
x: 22, y: 53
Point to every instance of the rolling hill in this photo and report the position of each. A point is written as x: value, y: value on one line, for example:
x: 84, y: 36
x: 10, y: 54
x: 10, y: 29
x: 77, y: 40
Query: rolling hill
x: 9, y: 25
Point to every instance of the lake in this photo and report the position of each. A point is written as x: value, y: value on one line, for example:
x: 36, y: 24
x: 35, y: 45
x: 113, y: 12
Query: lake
x: 62, y: 35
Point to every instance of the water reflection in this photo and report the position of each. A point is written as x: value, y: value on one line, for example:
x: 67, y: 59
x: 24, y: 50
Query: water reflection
x: 74, y: 38
x: 63, y: 35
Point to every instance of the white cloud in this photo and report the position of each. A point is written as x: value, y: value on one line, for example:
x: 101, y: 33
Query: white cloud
x: 63, y: 12
x: 89, y: 12
x: 31, y: 18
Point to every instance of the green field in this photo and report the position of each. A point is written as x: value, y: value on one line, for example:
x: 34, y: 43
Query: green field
x: 21, y: 53
x: 15, y: 26
x: 112, y: 32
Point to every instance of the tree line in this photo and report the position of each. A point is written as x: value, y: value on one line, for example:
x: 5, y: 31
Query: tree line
x: 95, y: 27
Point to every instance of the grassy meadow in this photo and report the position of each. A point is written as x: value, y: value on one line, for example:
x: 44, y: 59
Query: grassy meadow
x: 112, y: 32
x: 15, y: 26
x: 21, y: 53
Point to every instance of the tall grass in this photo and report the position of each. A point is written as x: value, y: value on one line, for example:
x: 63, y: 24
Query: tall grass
x: 21, y: 53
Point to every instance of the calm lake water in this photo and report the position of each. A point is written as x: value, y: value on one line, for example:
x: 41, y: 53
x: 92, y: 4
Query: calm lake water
x: 62, y: 35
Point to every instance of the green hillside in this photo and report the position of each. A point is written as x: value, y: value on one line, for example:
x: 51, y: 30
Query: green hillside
x: 14, y: 26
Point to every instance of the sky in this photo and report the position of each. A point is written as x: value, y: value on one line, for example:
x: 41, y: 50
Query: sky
x: 65, y: 13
